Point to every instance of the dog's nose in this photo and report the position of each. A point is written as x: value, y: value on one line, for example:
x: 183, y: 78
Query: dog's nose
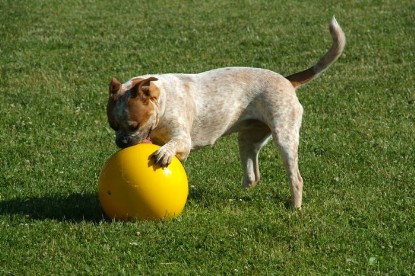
x: 122, y: 142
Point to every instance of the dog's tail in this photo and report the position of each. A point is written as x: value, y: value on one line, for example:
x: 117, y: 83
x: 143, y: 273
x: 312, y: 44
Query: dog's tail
x: 339, y: 41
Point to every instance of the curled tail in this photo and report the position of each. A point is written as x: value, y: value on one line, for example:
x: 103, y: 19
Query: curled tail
x: 339, y: 40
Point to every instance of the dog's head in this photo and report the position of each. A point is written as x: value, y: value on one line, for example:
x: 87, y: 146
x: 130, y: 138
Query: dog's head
x: 132, y: 110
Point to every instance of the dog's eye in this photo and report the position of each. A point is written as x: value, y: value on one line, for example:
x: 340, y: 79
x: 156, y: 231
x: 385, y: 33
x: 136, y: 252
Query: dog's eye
x: 132, y: 129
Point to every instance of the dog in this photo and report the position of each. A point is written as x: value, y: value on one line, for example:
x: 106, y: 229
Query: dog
x: 184, y: 112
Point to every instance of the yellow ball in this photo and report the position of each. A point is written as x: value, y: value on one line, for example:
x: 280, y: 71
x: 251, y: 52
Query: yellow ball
x: 131, y: 186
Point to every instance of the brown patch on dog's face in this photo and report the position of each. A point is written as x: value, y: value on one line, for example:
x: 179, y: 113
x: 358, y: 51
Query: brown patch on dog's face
x: 131, y: 110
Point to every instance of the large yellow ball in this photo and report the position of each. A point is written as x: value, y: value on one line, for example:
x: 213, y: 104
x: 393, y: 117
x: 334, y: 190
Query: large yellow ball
x: 132, y: 187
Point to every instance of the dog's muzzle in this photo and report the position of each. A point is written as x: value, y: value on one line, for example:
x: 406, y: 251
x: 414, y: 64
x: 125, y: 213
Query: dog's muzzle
x: 123, y: 140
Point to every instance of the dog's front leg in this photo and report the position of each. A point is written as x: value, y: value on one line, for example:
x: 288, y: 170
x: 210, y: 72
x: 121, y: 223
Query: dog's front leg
x: 178, y: 146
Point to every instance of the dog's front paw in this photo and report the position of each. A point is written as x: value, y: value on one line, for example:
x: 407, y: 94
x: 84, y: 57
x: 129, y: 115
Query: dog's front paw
x: 163, y: 156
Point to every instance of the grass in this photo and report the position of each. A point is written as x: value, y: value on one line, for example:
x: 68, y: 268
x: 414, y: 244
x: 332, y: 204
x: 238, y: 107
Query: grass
x: 357, y: 150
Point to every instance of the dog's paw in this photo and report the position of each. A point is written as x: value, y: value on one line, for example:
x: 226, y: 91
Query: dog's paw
x: 163, y: 156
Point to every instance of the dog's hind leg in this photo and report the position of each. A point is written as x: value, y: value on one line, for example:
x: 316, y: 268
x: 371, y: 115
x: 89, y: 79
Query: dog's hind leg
x: 251, y: 140
x: 286, y: 136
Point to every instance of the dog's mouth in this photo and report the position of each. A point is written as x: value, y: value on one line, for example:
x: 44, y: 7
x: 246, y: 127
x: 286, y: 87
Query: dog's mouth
x: 147, y: 140
x: 125, y: 139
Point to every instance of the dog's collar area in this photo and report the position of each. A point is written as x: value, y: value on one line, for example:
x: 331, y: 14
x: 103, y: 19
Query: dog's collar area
x: 156, y: 110
x: 157, y: 107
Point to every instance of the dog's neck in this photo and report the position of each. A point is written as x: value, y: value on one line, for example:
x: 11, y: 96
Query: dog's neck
x: 156, y: 104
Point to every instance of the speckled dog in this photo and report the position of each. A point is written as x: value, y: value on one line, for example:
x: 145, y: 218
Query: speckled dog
x: 184, y: 112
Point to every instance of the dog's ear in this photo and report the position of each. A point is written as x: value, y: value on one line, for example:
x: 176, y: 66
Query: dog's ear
x: 145, y: 89
x: 115, y: 86
x: 149, y: 89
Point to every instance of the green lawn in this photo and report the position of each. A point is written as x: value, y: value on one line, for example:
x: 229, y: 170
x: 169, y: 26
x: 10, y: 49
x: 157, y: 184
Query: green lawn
x: 357, y: 152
